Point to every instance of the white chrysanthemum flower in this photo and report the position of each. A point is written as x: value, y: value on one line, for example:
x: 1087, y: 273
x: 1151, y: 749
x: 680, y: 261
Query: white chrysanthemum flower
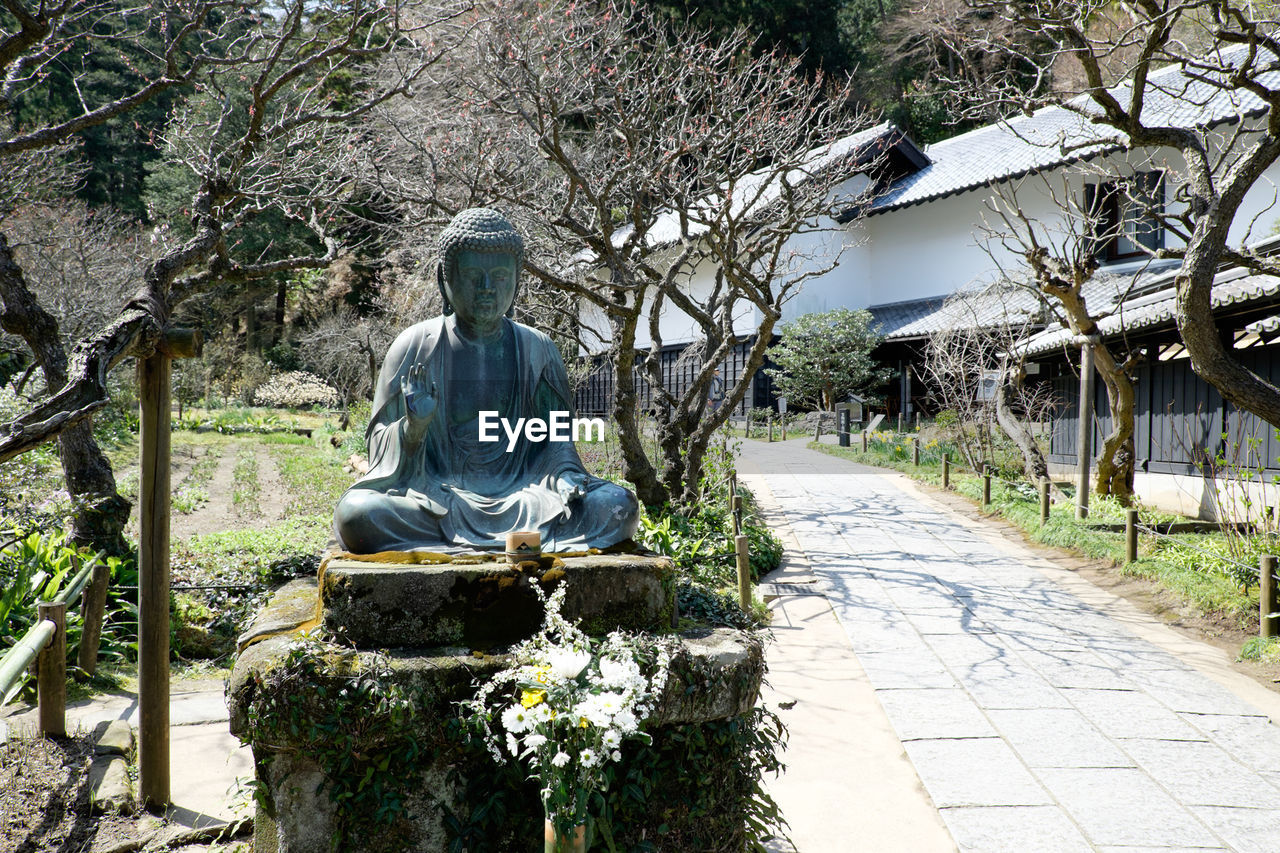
x: 616, y: 756
x: 612, y: 739
x: 618, y: 673
x: 568, y: 664
x: 588, y: 758
x: 626, y: 722
x: 534, y: 740
x: 516, y: 719
x: 513, y: 745
x: 560, y: 759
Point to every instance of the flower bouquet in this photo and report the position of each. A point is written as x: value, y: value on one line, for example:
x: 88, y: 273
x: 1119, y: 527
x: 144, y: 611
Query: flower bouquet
x: 564, y: 708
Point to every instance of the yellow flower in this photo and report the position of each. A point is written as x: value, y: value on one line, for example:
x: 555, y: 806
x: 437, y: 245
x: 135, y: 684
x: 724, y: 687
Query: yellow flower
x: 529, y: 698
x: 582, y: 722
x: 541, y: 673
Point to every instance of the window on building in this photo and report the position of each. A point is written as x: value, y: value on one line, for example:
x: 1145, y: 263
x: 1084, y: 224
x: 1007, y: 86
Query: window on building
x: 1124, y: 216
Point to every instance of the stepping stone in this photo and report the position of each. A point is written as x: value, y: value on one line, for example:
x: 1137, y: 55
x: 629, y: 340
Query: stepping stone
x: 111, y: 790
x: 114, y: 737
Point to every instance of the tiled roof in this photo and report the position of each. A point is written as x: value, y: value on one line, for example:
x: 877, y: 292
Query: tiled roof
x: 992, y: 306
x: 1008, y: 150
x: 751, y: 190
x: 1157, y: 308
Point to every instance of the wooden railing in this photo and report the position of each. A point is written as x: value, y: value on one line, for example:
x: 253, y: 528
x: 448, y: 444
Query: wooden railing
x: 45, y: 643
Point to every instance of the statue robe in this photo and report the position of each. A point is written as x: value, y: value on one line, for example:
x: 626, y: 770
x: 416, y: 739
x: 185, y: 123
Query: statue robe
x: 453, y: 492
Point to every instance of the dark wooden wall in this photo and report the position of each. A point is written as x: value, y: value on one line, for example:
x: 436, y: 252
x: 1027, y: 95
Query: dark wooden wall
x: 1180, y: 420
x: 595, y: 397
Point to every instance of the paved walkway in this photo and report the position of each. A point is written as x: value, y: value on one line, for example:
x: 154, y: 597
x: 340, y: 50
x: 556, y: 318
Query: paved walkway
x: 209, y: 768
x: 1041, y: 713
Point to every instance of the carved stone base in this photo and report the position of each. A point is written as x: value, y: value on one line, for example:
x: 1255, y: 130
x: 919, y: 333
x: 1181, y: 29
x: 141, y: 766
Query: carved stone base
x: 715, y: 678
x: 484, y: 605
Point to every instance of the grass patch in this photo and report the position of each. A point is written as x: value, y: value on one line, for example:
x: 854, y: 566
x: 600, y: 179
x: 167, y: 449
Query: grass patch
x: 245, y: 487
x: 1261, y: 649
x: 192, y: 493
x: 312, y: 475
x: 1212, y: 586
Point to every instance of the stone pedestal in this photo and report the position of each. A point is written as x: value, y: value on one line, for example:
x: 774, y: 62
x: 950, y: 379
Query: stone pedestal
x: 433, y: 633
x: 490, y: 604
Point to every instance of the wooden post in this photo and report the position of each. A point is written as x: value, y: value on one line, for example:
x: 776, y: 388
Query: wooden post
x: 1130, y: 535
x: 51, y: 672
x: 744, y: 572
x: 93, y: 608
x: 783, y: 419
x: 946, y: 470
x: 153, y: 583
x: 736, y: 508
x: 1268, y: 597
x: 817, y: 433
x: 864, y: 441
x: 899, y: 422
x: 1044, y: 500
x: 1084, y: 433
x: 915, y: 452
x: 986, y: 485
x: 771, y: 426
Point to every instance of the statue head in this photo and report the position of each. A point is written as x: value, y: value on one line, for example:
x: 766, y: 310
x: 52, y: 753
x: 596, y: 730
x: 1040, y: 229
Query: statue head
x: 479, y: 248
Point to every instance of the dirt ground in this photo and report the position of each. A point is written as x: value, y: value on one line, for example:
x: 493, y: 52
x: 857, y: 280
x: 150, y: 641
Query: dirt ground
x: 44, y: 800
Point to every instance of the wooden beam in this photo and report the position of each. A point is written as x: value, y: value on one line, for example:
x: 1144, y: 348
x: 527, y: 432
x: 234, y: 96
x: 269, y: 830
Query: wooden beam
x: 153, y: 582
x: 182, y: 343
x: 1084, y: 432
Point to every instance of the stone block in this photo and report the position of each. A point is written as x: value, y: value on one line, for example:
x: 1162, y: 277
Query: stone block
x: 111, y: 790
x: 489, y: 604
x: 114, y: 737
x: 293, y: 607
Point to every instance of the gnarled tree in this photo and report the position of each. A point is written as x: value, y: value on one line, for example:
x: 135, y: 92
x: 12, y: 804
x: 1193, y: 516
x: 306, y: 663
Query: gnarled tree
x: 265, y: 125
x: 662, y: 178
x: 1104, y: 60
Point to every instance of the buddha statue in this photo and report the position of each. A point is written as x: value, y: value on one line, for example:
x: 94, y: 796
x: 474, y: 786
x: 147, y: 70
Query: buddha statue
x: 439, y: 478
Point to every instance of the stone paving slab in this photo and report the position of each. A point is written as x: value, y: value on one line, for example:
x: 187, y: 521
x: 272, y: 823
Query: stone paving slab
x: 1014, y: 829
x: 1036, y: 710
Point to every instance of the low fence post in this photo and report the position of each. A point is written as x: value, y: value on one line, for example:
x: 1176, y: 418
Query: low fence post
x: 946, y: 470
x: 51, y: 671
x: 1268, y: 599
x: 1130, y: 535
x: 741, y: 547
x: 771, y: 426
x: 93, y: 609
x: 736, y: 508
x: 986, y: 485
x: 1044, y: 500
x: 817, y: 433
x: 915, y: 452
x: 864, y: 441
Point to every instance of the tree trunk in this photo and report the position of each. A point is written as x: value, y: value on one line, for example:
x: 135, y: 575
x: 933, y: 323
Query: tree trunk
x: 100, y: 513
x: 700, y: 436
x: 1033, y: 462
x: 282, y: 295
x: 636, y: 465
x: 1116, y: 462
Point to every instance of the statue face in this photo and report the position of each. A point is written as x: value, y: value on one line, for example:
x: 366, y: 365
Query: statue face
x: 483, y: 286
